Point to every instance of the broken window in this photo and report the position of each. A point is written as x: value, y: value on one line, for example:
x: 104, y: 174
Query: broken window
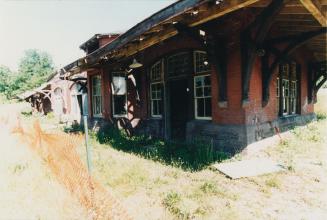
x: 119, y: 94
x: 202, y: 95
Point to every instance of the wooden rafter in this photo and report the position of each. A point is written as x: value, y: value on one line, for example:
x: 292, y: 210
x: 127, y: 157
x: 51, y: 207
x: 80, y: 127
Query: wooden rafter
x: 315, y: 8
x: 208, y: 11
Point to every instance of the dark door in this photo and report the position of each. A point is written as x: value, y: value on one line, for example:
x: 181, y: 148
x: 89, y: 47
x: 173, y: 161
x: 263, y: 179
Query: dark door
x: 178, y: 108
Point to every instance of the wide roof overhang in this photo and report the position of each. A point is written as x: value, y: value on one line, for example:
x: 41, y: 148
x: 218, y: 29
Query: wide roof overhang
x: 296, y: 17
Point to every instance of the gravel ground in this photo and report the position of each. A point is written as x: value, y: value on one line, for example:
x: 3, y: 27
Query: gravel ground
x: 28, y: 190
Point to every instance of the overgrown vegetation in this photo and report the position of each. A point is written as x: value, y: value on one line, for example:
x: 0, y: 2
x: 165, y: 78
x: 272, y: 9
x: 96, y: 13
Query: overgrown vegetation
x: 193, y: 155
x: 34, y: 69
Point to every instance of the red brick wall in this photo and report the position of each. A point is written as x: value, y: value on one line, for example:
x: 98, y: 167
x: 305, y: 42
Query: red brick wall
x: 255, y: 111
x: 234, y: 113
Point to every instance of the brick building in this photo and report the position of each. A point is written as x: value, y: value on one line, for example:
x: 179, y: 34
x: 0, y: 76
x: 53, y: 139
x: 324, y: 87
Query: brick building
x: 232, y: 72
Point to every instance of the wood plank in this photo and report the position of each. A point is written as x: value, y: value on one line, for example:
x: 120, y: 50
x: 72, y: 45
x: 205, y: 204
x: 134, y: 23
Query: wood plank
x: 224, y: 8
x: 314, y: 7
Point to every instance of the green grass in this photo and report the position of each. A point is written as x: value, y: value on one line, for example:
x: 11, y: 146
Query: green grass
x: 194, y: 155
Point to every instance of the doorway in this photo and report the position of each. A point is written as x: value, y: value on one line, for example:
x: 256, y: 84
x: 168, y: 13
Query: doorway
x: 179, y: 106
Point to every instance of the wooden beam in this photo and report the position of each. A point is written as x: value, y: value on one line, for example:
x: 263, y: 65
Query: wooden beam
x: 314, y: 7
x: 223, y: 8
x: 259, y: 28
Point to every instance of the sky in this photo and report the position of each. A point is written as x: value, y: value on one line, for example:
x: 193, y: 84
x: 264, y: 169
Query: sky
x: 60, y: 26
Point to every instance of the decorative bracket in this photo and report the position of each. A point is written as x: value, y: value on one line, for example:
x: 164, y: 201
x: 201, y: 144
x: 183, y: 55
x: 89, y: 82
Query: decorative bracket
x: 294, y: 41
x: 252, y: 39
x: 317, y: 76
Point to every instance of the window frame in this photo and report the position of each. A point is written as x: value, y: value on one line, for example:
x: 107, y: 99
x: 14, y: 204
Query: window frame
x: 157, y: 99
x: 160, y: 62
x: 194, y: 62
x: 204, y: 97
x: 293, y: 96
x: 113, y: 74
x: 97, y: 115
x: 286, y: 99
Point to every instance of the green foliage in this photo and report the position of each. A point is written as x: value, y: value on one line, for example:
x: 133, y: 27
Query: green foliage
x: 188, y: 155
x: 74, y: 128
x: 171, y: 202
x: 5, y: 73
x: 321, y: 116
x: 34, y: 69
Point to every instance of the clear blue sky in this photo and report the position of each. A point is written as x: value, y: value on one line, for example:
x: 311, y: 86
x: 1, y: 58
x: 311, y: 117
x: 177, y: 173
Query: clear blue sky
x: 59, y: 27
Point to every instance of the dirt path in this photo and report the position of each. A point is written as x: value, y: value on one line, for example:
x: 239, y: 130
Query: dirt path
x: 28, y: 190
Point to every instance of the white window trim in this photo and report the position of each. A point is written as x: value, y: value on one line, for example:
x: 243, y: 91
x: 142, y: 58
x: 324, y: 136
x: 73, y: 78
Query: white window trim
x: 113, y: 97
x: 278, y: 87
x: 153, y: 115
x: 294, y: 96
x: 287, y: 98
x: 194, y: 61
x: 162, y: 71
x: 195, y: 102
x: 100, y: 115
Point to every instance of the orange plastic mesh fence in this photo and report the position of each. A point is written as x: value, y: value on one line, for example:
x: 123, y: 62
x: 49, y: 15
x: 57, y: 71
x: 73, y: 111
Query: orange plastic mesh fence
x: 58, y: 150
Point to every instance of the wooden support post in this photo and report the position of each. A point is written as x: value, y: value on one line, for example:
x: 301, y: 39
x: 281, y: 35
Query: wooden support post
x: 249, y: 44
x: 310, y: 82
x: 217, y: 55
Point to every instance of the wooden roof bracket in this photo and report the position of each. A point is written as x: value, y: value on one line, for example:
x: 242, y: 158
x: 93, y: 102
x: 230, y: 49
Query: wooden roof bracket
x: 252, y: 39
x: 217, y: 56
x: 314, y: 75
x: 294, y: 41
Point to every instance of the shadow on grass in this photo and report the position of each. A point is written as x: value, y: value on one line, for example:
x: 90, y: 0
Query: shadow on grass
x: 190, y: 156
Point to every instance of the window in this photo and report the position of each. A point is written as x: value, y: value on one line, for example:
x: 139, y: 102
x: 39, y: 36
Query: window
x: 156, y: 71
x: 201, y: 64
x: 156, y: 99
x: 288, y: 96
x: 285, y: 93
x: 119, y: 95
x: 202, y: 96
x: 96, y: 96
x: 293, y: 96
x: 178, y: 64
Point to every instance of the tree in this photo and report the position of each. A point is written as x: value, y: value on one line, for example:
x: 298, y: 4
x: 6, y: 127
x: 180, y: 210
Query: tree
x: 5, y: 73
x: 34, y: 69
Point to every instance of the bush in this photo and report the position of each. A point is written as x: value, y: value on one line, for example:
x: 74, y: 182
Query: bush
x: 321, y: 116
x: 193, y: 155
